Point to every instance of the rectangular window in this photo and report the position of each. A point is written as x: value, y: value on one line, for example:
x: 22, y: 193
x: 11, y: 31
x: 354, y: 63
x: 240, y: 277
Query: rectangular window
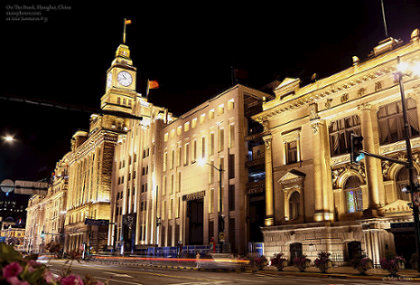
x: 231, y: 166
x: 202, y: 118
x: 194, y: 156
x: 221, y: 139
x: 291, y: 148
x: 179, y: 156
x: 172, y: 159
x: 203, y: 147
x: 211, y: 143
x: 211, y: 201
x: 211, y: 172
x: 165, y: 161
x: 171, y: 205
x: 165, y: 185
x: 172, y: 183
x: 186, y: 126
x: 231, y: 104
x: 221, y: 109
x: 194, y: 123
x: 186, y: 153
x: 231, y: 197
x: 179, y: 182
x: 211, y: 114
x: 177, y: 207
x: 231, y: 136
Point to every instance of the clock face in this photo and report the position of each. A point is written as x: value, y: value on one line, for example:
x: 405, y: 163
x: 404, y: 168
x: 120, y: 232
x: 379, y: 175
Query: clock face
x: 109, y: 81
x: 124, y: 78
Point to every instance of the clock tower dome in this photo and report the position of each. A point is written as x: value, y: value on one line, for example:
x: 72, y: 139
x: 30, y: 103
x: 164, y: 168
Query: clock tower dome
x: 120, y: 89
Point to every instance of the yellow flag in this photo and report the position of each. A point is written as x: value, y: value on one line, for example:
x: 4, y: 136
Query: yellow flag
x: 127, y: 22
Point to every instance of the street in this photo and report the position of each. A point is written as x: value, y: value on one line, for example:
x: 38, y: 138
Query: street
x: 123, y: 274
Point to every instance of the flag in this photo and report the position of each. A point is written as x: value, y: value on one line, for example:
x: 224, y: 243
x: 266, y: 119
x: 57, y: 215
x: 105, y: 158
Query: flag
x: 127, y: 22
x: 153, y: 84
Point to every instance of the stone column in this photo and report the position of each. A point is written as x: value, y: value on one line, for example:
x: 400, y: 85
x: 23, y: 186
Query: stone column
x: 324, y: 200
x: 372, y: 165
x: 269, y: 197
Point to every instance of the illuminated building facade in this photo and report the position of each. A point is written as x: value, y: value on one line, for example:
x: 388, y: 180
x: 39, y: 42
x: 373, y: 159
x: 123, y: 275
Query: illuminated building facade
x: 316, y: 200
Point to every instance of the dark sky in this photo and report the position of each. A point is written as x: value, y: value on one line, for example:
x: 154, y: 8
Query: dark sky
x: 188, y: 48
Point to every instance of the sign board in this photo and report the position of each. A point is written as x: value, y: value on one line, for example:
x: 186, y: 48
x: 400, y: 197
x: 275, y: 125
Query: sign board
x: 94, y: 222
x: 194, y: 196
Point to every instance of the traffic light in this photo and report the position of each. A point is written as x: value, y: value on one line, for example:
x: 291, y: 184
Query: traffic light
x: 356, y: 148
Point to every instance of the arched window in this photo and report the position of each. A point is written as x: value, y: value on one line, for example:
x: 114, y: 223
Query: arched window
x: 353, y: 192
x: 390, y: 121
x: 294, y: 205
x: 402, y: 182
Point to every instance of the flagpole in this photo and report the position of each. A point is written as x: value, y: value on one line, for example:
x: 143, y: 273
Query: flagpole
x: 124, y: 29
x: 147, y: 89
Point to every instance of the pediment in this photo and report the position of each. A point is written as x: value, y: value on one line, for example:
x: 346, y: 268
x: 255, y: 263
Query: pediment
x: 397, y: 206
x: 291, y: 176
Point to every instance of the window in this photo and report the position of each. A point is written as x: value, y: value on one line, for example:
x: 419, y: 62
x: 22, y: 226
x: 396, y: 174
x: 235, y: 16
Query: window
x: 211, y: 143
x: 231, y: 135
x: 391, y: 124
x: 172, y: 158
x: 172, y: 184
x: 211, y: 172
x: 118, y: 100
x: 194, y: 154
x: 177, y: 207
x: 231, y: 104
x: 202, y: 118
x: 221, y: 109
x: 291, y: 149
x: 353, y: 193
x: 231, y: 197
x: 179, y: 130
x: 221, y: 139
x: 294, y: 206
x: 211, y: 201
x: 186, y: 153
x: 186, y: 126
x: 165, y: 137
x: 194, y: 123
x: 340, y: 133
x: 203, y: 147
x: 179, y: 182
x: 165, y: 161
x: 165, y: 185
x: 171, y: 206
x: 231, y: 166
x: 211, y: 114
x: 179, y: 157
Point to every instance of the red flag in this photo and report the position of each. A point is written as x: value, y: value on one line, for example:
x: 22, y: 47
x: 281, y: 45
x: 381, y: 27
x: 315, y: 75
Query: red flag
x: 153, y: 84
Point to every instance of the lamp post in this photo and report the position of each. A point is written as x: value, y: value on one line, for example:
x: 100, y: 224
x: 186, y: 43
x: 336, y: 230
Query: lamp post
x: 413, y: 185
x: 221, y: 217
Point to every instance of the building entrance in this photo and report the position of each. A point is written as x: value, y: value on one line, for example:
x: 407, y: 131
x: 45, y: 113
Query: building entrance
x: 256, y: 217
x: 195, y: 221
x: 405, y: 246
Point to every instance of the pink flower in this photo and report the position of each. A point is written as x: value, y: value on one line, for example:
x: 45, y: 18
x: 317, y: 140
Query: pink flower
x: 72, y: 280
x: 49, y: 277
x: 11, y: 270
x: 15, y: 281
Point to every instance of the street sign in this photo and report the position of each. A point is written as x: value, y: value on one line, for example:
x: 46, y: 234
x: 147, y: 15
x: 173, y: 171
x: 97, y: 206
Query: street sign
x: 94, y: 222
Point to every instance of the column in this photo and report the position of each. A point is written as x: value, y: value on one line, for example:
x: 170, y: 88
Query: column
x: 324, y: 200
x: 373, y: 167
x: 269, y: 197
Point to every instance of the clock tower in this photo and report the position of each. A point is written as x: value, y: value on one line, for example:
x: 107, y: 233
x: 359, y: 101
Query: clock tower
x: 120, y: 89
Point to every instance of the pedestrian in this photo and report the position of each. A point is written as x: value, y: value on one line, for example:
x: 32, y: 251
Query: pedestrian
x: 197, y: 258
x: 180, y: 245
x: 212, y: 245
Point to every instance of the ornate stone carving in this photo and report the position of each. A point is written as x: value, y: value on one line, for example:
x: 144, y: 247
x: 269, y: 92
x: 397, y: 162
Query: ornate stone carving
x: 313, y: 111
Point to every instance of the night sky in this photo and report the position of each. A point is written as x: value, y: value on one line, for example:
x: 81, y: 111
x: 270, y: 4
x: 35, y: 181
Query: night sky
x: 188, y: 48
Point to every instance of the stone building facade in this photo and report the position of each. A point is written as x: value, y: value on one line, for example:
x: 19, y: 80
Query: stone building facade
x: 316, y: 200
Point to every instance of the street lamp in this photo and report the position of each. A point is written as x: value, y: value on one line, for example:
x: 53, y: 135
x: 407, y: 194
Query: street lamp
x: 9, y: 139
x: 221, y: 217
x: 404, y: 69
